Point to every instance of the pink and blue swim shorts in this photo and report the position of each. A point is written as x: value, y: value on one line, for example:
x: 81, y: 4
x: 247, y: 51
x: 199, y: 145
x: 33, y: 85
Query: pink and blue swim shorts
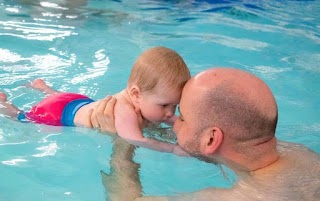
x: 57, y: 109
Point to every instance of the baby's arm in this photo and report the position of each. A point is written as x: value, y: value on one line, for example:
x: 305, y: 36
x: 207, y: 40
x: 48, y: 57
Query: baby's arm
x: 128, y: 127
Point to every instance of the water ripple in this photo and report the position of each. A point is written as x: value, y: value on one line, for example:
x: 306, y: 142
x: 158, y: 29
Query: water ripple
x: 15, y: 161
x: 49, y: 150
x: 35, y: 31
x: 100, y: 66
x: 16, y: 67
x: 270, y: 72
x: 252, y: 26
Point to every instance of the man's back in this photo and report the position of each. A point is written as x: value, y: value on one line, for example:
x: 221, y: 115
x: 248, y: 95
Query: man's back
x: 296, y: 176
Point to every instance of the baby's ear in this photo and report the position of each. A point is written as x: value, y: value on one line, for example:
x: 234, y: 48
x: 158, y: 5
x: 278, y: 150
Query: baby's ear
x: 137, y: 110
x: 135, y: 93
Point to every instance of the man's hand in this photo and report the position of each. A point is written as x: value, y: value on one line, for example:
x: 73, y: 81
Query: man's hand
x: 102, y: 116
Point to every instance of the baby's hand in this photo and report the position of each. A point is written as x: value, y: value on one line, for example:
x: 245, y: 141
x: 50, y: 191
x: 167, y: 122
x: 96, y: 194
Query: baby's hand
x: 177, y: 150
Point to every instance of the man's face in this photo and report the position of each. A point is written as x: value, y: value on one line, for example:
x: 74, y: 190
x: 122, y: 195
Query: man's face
x: 185, y: 126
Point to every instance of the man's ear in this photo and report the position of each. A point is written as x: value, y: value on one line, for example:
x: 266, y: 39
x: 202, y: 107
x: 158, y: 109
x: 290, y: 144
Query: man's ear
x: 212, y: 140
x: 135, y: 93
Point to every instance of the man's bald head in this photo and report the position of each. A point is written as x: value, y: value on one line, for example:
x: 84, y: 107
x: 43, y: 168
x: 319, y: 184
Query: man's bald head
x: 239, y: 103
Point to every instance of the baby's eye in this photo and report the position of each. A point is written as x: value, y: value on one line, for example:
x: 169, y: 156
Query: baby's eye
x: 165, y: 105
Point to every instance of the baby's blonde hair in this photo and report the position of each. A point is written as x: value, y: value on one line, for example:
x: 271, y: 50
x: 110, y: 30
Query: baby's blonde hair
x: 159, y: 63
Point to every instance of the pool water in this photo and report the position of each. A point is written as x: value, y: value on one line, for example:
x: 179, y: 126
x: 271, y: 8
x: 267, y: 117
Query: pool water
x: 89, y: 47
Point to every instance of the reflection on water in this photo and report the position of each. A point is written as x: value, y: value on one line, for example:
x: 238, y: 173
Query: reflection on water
x: 61, y: 9
x: 90, y: 46
x: 35, y: 31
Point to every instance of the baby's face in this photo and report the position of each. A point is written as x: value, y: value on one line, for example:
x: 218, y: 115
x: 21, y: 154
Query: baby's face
x: 159, y: 105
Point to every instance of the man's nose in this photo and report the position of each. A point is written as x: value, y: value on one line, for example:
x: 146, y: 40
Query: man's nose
x: 176, y: 126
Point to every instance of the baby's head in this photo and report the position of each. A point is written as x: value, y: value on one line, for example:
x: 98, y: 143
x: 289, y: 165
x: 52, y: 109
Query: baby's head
x: 159, y: 65
x: 156, y: 82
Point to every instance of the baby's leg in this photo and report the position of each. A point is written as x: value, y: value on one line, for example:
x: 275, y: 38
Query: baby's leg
x: 40, y: 85
x: 7, y: 108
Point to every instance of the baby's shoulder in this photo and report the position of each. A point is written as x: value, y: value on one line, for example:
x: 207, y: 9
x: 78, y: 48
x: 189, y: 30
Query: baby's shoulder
x: 124, y: 107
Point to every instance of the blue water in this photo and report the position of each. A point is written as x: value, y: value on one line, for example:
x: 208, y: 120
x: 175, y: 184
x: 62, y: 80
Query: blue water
x: 90, y: 46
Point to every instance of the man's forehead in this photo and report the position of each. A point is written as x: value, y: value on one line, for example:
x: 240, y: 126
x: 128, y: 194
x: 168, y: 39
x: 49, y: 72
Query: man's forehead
x: 188, y: 98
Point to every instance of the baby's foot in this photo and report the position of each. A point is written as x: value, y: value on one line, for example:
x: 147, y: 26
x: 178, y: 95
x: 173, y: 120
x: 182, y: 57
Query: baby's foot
x: 3, y: 97
x: 40, y: 85
x: 7, y: 108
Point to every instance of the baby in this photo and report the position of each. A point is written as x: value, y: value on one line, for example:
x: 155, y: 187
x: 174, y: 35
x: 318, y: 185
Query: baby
x: 153, y: 91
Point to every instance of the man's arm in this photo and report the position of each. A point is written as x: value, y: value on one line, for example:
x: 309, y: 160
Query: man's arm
x: 123, y: 183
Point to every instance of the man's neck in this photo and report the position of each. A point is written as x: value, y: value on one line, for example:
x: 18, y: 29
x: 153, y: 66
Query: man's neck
x: 252, y: 158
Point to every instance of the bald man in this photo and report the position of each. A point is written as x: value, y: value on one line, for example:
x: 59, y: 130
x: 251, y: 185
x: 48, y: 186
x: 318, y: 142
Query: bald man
x: 232, y: 121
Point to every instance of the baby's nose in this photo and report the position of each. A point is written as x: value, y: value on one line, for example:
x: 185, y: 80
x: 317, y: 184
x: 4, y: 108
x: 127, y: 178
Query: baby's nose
x: 170, y: 112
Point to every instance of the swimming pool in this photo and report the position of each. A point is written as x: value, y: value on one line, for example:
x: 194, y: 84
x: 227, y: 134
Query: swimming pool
x: 90, y: 47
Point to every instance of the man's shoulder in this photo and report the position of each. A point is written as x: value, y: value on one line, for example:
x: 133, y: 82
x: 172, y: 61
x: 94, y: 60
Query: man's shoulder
x: 296, y: 174
x: 293, y: 151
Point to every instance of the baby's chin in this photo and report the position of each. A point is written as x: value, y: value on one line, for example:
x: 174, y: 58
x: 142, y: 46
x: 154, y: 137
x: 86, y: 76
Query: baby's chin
x: 157, y: 123
x: 153, y: 123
